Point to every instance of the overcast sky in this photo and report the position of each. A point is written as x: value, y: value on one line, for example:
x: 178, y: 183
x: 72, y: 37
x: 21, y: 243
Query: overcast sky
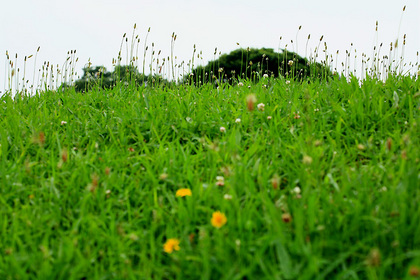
x: 95, y: 27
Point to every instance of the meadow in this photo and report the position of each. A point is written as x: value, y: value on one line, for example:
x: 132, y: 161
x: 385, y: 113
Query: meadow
x: 261, y: 179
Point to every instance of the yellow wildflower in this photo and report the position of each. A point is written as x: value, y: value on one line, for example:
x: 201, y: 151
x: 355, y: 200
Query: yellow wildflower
x: 183, y: 192
x: 170, y: 245
x: 218, y: 219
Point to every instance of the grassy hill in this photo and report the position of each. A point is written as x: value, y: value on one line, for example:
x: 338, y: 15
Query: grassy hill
x: 266, y: 180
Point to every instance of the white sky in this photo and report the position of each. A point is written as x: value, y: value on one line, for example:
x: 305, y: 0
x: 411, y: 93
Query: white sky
x: 95, y: 27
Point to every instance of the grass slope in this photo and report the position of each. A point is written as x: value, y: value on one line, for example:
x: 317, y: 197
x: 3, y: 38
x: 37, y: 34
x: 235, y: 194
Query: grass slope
x: 321, y: 184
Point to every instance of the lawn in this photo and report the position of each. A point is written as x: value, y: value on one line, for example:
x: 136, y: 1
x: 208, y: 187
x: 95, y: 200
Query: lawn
x: 272, y: 179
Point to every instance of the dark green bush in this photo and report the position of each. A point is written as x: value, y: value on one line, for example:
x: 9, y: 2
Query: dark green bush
x: 98, y: 76
x: 254, y: 63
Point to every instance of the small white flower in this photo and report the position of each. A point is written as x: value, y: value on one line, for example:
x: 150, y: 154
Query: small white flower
x: 227, y: 197
x: 296, y: 190
x: 261, y: 106
x: 240, y: 84
x: 290, y: 62
x: 269, y: 117
x: 307, y: 160
x: 222, y: 129
x: 238, y: 120
x: 265, y: 75
x: 220, y: 178
x: 287, y: 82
x: 63, y: 122
x: 383, y: 189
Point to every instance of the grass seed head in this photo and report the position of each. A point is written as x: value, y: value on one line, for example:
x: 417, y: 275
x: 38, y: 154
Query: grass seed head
x: 94, y: 184
x: 286, y: 217
x: 250, y: 102
x: 414, y: 271
x: 41, y: 138
x: 374, y: 258
x: 64, y: 155
x: 389, y: 143
x: 275, y: 182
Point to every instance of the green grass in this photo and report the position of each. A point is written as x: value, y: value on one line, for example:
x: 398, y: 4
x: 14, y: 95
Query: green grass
x: 94, y: 198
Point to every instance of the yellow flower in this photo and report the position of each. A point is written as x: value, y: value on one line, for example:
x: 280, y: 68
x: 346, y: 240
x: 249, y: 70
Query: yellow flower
x: 218, y: 219
x: 171, y: 245
x: 183, y: 192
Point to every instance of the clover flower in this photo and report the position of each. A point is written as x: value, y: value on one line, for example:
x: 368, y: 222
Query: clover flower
x: 222, y: 129
x: 261, y: 106
x: 238, y: 120
x: 163, y: 176
x: 296, y: 190
x: 307, y: 160
x: 220, y: 181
